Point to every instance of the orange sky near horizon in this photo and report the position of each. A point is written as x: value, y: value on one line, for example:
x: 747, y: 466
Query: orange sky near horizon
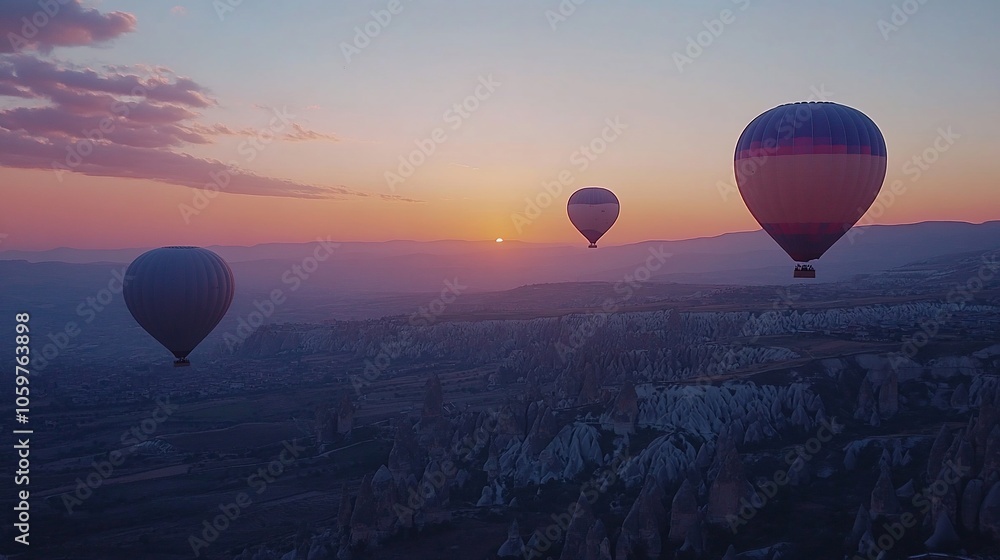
x: 97, y: 213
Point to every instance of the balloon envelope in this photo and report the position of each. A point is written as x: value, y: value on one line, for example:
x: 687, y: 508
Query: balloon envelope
x: 808, y: 172
x: 178, y: 295
x: 593, y: 210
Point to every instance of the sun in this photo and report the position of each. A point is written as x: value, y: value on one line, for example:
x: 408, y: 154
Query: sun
x: 499, y: 239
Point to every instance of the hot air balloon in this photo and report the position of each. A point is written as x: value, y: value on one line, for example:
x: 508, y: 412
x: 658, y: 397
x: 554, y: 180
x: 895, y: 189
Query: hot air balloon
x: 593, y: 210
x: 178, y: 295
x: 807, y: 172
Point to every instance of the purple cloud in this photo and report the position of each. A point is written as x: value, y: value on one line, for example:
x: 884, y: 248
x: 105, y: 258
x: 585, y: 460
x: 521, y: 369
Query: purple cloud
x: 300, y: 133
x: 42, y: 25
x: 44, y: 77
x: 87, y: 103
x: 93, y: 124
x: 115, y: 160
x: 117, y: 121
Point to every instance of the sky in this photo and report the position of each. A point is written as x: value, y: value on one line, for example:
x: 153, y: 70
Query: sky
x: 299, y: 114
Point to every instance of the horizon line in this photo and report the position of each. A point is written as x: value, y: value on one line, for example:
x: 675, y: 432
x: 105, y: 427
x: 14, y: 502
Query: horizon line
x: 491, y: 241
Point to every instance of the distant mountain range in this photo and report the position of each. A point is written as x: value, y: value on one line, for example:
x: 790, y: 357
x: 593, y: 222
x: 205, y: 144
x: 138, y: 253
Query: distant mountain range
x: 509, y: 280
x: 399, y: 267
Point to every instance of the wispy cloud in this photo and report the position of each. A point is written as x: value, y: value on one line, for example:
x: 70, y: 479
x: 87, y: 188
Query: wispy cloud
x: 301, y: 134
x: 118, y: 121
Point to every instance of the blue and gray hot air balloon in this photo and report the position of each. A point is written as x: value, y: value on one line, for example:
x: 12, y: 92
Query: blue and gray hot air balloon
x: 593, y: 210
x: 808, y: 172
x: 178, y: 295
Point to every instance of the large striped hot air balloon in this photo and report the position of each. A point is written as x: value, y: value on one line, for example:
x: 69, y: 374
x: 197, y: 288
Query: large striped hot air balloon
x: 593, y: 210
x: 178, y: 295
x: 808, y: 171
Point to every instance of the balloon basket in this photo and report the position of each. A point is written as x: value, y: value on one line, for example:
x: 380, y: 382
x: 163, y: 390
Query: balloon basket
x: 800, y: 273
x: 181, y: 363
x: 592, y: 246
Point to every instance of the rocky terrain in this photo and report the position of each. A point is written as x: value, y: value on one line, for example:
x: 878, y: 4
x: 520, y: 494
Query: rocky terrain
x: 839, y: 421
x: 677, y: 433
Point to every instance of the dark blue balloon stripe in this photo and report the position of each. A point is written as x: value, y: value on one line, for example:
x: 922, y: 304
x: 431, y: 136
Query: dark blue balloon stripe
x: 593, y: 195
x: 810, y: 128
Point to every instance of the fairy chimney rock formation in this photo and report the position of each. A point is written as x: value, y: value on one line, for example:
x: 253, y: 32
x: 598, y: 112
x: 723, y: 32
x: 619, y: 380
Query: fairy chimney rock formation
x: 345, y: 416
x: 884, y: 501
x: 513, y: 547
x: 625, y: 410
x: 433, y: 398
x: 683, y: 512
x: 728, y: 487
